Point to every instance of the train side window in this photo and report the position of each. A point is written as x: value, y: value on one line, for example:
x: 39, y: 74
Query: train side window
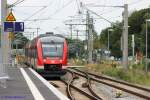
x: 29, y: 52
x: 25, y: 52
x: 35, y: 53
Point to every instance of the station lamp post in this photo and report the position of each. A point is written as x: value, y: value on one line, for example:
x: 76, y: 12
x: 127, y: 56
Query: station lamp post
x: 148, y: 20
x: 109, y: 30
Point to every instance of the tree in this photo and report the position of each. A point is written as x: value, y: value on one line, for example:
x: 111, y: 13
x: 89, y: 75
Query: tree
x: 115, y: 36
x: 137, y: 27
x: 19, y: 37
x: 75, y: 47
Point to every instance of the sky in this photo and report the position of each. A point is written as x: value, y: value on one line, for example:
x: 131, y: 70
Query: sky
x: 55, y: 13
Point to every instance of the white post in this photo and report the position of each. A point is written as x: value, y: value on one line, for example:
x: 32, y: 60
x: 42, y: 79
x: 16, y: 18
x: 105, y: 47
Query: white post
x: 146, y: 44
x: 109, y: 30
x: 3, y: 73
x: 125, y: 38
x: 108, y: 40
x: 133, y: 46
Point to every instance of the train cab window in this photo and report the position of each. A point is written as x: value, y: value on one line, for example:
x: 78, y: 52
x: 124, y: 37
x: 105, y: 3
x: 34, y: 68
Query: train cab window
x: 53, y: 50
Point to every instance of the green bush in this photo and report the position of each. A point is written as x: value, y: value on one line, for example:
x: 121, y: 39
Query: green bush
x: 138, y: 66
x: 148, y: 66
x: 135, y: 75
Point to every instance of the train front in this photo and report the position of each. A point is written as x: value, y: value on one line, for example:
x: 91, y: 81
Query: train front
x: 53, y: 55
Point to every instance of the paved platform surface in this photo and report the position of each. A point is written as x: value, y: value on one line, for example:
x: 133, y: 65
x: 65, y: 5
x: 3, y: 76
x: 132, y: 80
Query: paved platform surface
x: 18, y: 87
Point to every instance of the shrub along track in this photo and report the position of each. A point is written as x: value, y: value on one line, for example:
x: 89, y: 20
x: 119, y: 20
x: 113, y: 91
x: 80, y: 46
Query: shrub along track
x: 124, y: 86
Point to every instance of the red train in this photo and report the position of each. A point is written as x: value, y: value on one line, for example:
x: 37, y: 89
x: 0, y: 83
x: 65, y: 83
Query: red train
x: 47, y: 54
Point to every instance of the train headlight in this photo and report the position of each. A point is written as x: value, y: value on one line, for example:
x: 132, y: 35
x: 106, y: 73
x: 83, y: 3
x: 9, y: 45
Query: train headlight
x: 61, y: 61
x: 44, y: 60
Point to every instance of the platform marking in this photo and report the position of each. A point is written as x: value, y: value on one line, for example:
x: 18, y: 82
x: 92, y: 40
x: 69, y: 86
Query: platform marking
x: 35, y: 92
x: 52, y: 88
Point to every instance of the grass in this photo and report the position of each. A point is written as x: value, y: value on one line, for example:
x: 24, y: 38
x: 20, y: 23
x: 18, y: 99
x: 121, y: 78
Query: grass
x: 134, y: 75
x: 77, y: 62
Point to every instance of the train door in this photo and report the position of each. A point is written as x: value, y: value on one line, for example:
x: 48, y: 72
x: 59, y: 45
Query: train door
x: 35, y: 57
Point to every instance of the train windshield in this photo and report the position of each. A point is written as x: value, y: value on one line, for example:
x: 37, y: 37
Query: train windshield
x: 52, y: 50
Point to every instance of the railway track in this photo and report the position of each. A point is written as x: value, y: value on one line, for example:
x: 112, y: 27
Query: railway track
x: 90, y: 87
x: 70, y: 87
x: 124, y: 86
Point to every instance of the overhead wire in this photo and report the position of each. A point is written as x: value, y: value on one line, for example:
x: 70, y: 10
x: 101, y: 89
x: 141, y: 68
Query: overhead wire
x: 135, y: 2
x: 110, y: 11
x: 41, y: 13
x: 16, y: 3
x: 26, y: 19
x: 44, y: 12
x: 104, y: 5
x: 106, y: 19
x: 29, y: 6
x: 19, y: 2
x: 57, y: 11
x: 35, y: 13
x: 34, y: 20
x: 43, y: 19
x: 78, y: 5
x: 56, y: 7
x: 112, y: 23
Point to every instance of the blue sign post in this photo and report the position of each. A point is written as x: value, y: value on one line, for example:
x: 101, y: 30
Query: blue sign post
x: 19, y: 27
x: 13, y: 26
x: 8, y: 26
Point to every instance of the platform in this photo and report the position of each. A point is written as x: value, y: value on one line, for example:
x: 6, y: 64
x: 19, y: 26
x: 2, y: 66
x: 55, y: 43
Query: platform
x: 26, y: 84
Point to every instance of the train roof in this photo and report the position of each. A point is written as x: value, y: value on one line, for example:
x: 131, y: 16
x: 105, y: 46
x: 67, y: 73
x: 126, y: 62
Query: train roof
x: 50, y: 34
x: 47, y: 38
x: 52, y: 38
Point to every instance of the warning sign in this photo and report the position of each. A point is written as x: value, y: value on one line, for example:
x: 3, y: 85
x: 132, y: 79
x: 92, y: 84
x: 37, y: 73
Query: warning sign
x: 10, y: 17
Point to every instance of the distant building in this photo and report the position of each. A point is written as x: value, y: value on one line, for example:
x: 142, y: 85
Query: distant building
x: 103, y: 54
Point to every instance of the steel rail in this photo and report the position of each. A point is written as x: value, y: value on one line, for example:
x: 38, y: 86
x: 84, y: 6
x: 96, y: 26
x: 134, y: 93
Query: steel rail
x: 90, y: 87
x: 81, y: 91
x: 121, y: 82
x: 115, y: 86
x: 68, y: 89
